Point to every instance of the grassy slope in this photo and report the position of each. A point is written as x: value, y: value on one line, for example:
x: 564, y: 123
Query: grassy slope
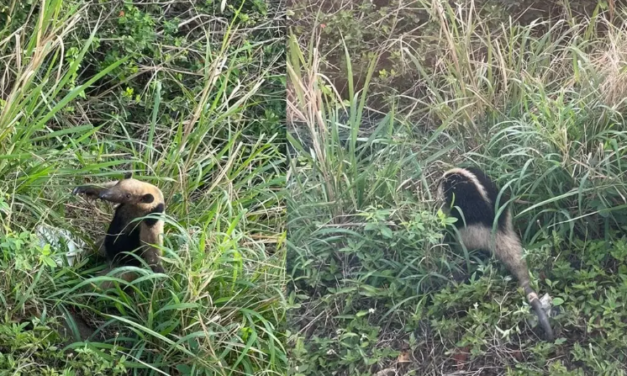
x: 189, y: 98
x: 374, y: 288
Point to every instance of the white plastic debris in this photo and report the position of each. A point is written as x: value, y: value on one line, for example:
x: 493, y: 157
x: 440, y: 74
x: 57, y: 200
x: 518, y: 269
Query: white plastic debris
x: 60, y: 239
x: 546, y: 302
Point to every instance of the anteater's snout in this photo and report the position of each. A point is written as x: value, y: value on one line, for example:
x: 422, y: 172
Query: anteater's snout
x: 105, y: 195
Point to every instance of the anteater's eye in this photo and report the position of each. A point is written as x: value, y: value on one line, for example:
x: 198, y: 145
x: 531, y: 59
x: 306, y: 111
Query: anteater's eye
x: 128, y: 195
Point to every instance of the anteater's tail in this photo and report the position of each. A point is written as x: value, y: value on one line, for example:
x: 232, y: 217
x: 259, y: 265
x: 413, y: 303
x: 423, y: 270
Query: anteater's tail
x: 533, y: 299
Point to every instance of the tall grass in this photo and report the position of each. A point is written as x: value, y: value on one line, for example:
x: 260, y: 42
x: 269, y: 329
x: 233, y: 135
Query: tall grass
x: 374, y: 287
x: 218, y: 309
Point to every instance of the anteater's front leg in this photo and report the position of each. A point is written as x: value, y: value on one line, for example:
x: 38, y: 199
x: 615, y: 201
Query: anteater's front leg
x: 150, y: 238
x: 152, y: 256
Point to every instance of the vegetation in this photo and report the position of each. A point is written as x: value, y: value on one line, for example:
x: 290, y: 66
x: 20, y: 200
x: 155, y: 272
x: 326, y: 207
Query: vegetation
x: 188, y: 96
x: 374, y: 288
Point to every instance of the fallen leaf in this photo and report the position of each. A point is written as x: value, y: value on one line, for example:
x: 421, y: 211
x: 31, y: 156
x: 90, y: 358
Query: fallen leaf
x: 403, y: 357
x: 517, y: 354
x: 386, y: 372
x: 461, y: 356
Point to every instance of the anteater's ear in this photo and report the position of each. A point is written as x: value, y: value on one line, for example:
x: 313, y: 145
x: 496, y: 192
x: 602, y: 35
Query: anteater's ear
x: 128, y: 175
x: 148, y: 198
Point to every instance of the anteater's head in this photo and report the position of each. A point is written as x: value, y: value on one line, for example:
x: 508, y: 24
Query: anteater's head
x: 134, y: 192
